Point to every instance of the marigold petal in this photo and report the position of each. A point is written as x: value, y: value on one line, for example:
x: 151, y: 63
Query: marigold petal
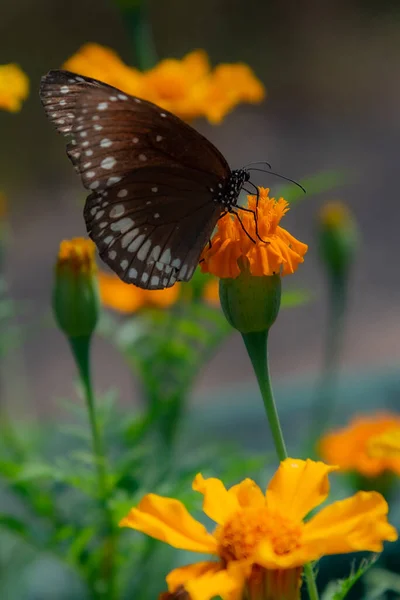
x: 118, y: 295
x: 248, y: 493
x: 167, y: 520
x: 357, y: 523
x: 218, y: 503
x: 269, y: 559
x: 298, y: 486
x: 14, y: 87
x: 348, y: 447
x: 273, y: 251
x: 206, y: 580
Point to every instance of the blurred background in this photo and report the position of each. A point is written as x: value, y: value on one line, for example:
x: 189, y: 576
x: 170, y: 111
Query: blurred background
x: 331, y: 73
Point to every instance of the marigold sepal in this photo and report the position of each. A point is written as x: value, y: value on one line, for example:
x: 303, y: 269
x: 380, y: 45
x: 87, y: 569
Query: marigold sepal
x: 338, y: 239
x: 250, y: 304
x: 76, y: 302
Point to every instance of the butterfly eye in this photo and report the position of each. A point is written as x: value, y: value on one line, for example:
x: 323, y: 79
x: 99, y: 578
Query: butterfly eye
x: 157, y: 186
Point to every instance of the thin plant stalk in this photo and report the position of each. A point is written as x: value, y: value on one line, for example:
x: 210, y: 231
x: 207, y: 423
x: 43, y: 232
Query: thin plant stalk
x: 81, y: 351
x: 323, y: 409
x: 257, y: 347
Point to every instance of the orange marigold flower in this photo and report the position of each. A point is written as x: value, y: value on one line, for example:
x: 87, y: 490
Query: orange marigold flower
x: 14, y: 87
x: 211, y: 292
x: 262, y: 539
x: 352, y: 447
x: 187, y: 87
x: 278, y: 253
x: 127, y: 298
x: 385, y: 445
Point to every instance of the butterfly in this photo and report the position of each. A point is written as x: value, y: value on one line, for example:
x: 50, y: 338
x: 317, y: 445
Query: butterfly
x: 157, y: 186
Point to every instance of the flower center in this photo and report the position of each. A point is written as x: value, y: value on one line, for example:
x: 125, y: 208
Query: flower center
x: 242, y: 533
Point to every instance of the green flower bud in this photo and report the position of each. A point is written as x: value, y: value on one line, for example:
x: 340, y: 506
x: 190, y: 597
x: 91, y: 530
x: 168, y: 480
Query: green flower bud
x: 338, y: 239
x: 250, y: 303
x: 76, y: 302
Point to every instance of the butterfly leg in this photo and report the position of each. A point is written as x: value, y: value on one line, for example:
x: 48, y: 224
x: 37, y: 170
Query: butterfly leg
x: 255, y: 221
x: 241, y: 222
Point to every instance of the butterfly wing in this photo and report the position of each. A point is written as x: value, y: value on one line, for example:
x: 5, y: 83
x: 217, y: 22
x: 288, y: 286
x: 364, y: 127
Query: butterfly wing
x: 125, y: 148
x: 152, y: 227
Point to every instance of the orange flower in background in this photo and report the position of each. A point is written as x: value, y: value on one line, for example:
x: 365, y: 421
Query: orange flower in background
x: 262, y: 541
x: 14, y: 87
x: 187, y: 87
x: 211, y: 292
x: 127, y: 298
x: 385, y: 445
x: 277, y: 252
x: 352, y: 447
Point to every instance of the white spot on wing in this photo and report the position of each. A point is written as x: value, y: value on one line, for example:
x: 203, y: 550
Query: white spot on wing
x: 158, y: 138
x: 112, y: 180
x: 166, y: 257
x: 128, y: 237
x: 105, y: 143
x: 94, y: 185
x: 64, y: 89
x: 122, y: 193
x: 136, y: 243
x: 132, y: 273
x: 144, y: 277
x: 108, y: 163
x: 122, y: 225
x: 142, y: 157
x: 122, y: 97
x: 176, y: 263
x: 102, y: 106
x: 117, y: 211
x: 135, y: 140
x: 124, y: 263
x: 155, y: 253
x: 112, y: 254
x: 155, y: 280
x: 154, y: 189
x: 141, y: 255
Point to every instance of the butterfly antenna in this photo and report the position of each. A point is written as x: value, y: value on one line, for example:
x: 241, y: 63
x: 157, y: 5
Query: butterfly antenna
x: 259, y: 162
x: 281, y: 177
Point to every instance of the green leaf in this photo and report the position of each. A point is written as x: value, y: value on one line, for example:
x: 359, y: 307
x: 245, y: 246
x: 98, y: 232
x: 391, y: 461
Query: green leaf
x: 338, y: 590
x: 293, y: 298
x: 324, y: 181
x: 13, y: 524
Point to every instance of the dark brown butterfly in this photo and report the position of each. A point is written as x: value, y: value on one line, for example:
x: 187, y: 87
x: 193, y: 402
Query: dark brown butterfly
x: 158, y: 187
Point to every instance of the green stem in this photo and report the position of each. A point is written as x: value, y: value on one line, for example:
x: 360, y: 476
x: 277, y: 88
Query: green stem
x: 323, y: 407
x: 81, y: 351
x: 257, y: 348
x: 256, y: 345
x: 136, y: 17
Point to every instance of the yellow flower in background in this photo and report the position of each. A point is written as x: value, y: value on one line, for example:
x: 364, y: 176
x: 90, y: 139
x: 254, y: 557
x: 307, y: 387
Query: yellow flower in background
x: 127, y: 298
x: 385, y: 445
x: 262, y: 541
x: 99, y: 62
x: 352, y: 447
x: 14, y: 87
x: 188, y: 87
x: 277, y: 252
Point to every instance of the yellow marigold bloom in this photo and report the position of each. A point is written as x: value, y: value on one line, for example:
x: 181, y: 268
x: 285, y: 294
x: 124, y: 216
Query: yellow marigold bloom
x: 385, y: 445
x: 262, y: 541
x: 335, y: 214
x: 99, y: 62
x: 187, y: 87
x: 228, y: 86
x: 14, y: 87
x: 278, y: 253
x: 351, y: 448
x: 126, y: 298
